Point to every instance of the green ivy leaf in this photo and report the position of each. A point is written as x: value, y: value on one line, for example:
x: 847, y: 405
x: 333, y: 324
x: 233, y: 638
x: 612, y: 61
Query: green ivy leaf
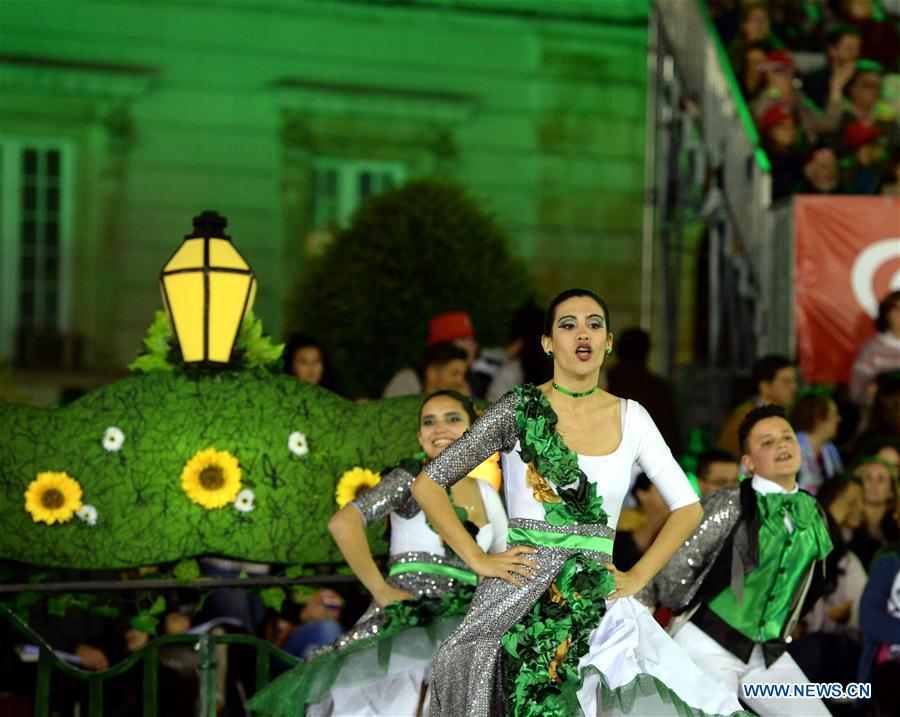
x: 295, y: 571
x: 142, y: 622
x: 158, y: 606
x: 59, y: 605
x: 23, y: 602
x: 105, y: 611
x: 272, y: 597
x: 186, y: 570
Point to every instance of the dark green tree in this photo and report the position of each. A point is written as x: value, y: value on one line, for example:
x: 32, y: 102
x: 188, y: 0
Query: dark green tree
x: 409, y: 254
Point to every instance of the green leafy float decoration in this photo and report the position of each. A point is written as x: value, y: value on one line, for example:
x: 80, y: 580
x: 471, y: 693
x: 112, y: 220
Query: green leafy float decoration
x: 128, y: 443
x: 252, y: 349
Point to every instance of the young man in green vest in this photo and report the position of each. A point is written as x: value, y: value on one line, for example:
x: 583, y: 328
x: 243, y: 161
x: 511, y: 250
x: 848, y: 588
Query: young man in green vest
x: 755, y: 565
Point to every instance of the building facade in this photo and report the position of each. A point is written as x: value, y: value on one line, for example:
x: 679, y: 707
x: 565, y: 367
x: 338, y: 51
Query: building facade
x: 121, y: 120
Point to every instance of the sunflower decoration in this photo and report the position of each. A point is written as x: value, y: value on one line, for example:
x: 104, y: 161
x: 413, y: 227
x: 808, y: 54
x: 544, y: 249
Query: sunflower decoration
x: 53, y: 498
x: 211, y: 478
x: 353, y: 484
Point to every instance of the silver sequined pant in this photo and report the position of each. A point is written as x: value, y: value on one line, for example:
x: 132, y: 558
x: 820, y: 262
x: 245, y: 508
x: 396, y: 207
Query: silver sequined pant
x: 373, y: 619
x: 467, y: 671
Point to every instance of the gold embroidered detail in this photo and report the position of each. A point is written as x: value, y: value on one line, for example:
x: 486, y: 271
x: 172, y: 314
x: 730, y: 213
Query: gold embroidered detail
x: 556, y: 595
x: 540, y: 488
x: 558, y: 657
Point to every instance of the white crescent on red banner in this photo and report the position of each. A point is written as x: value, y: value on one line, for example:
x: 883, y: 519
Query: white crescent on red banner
x: 846, y: 259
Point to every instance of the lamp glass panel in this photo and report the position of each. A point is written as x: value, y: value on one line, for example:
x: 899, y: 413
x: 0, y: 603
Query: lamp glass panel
x: 227, y: 295
x: 188, y: 256
x: 185, y: 292
x: 222, y: 254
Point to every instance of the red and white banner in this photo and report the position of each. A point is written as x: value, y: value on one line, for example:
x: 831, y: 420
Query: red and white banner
x: 846, y: 259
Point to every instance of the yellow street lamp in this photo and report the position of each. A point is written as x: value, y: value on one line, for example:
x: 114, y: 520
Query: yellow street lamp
x: 207, y: 289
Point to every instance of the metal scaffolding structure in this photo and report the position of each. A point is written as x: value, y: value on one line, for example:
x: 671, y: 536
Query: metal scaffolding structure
x: 706, y: 165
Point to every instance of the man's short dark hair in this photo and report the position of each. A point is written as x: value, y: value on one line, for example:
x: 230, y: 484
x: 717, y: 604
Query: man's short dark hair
x: 765, y: 368
x: 760, y: 413
x: 443, y: 353
x: 713, y: 455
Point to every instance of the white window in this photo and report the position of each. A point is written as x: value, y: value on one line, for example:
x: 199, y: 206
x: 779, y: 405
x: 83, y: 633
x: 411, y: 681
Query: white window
x: 35, y: 230
x: 340, y: 185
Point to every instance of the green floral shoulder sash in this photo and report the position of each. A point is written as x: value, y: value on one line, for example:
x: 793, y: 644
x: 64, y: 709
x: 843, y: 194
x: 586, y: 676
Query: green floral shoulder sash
x: 543, y: 650
x: 543, y: 447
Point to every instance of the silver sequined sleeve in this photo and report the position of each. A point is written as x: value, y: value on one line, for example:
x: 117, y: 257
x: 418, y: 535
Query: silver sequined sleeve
x: 392, y: 490
x: 679, y: 580
x: 494, y: 431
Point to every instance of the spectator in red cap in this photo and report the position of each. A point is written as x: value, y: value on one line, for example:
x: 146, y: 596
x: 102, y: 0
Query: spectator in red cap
x: 781, y: 89
x: 864, y: 103
x: 866, y: 155
x: 450, y: 350
x: 455, y: 326
x: 820, y: 172
x: 780, y: 140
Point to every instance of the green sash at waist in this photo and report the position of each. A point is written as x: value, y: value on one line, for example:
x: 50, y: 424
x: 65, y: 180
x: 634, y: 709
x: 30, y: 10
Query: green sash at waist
x: 447, y: 571
x: 550, y: 539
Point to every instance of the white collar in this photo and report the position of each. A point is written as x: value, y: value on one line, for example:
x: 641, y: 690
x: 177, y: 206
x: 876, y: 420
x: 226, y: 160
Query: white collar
x: 764, y: 486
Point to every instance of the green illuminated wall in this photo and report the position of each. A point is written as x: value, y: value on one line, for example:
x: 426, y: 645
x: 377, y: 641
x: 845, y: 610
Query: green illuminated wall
x: 173, y: 108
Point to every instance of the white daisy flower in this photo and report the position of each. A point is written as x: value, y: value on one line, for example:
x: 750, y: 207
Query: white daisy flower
x: 113, y: 439
x: 297, y: 444
x: 88, y: 513
x: 244, y: 501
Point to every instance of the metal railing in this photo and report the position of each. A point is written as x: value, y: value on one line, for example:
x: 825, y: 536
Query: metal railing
x: 146, y: 657
x: 750, y: 241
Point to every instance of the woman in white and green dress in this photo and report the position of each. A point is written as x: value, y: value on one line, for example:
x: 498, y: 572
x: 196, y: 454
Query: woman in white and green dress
x: 381, y: 666
x: 553, y: 629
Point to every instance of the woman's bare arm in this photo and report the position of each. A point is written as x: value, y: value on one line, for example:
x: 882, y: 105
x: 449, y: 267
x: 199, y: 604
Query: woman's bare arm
x: 348, y: 530
x: 437, y: 506
x: 679, y: 526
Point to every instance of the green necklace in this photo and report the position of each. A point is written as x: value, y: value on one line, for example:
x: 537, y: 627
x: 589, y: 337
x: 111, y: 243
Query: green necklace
x: 574, y: 394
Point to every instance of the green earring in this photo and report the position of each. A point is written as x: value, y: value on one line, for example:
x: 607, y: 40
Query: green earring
x: 549, y: 354
x: 609, y: 352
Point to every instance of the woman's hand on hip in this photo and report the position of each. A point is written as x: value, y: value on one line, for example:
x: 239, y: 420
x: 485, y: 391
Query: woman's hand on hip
x: 391, y: 594
x: 507, y: 565
x: 627, y: 582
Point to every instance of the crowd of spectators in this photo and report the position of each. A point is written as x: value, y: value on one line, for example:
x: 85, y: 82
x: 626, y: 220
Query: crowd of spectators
x: 820, y: 79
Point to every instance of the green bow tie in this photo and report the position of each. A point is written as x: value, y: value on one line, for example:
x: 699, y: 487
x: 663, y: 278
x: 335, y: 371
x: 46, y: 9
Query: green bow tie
x: 803, y: 512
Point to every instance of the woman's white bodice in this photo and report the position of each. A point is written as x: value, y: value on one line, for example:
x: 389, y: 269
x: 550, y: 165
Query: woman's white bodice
x: 414, y: 535
x: 641, y: 445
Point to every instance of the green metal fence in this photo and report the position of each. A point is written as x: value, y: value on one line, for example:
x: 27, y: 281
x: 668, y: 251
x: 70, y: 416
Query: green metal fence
x: 146, y: 659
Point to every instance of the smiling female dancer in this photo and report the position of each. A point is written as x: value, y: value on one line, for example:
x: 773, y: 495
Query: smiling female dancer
x: 540, y: 637
x: 381, y: 666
